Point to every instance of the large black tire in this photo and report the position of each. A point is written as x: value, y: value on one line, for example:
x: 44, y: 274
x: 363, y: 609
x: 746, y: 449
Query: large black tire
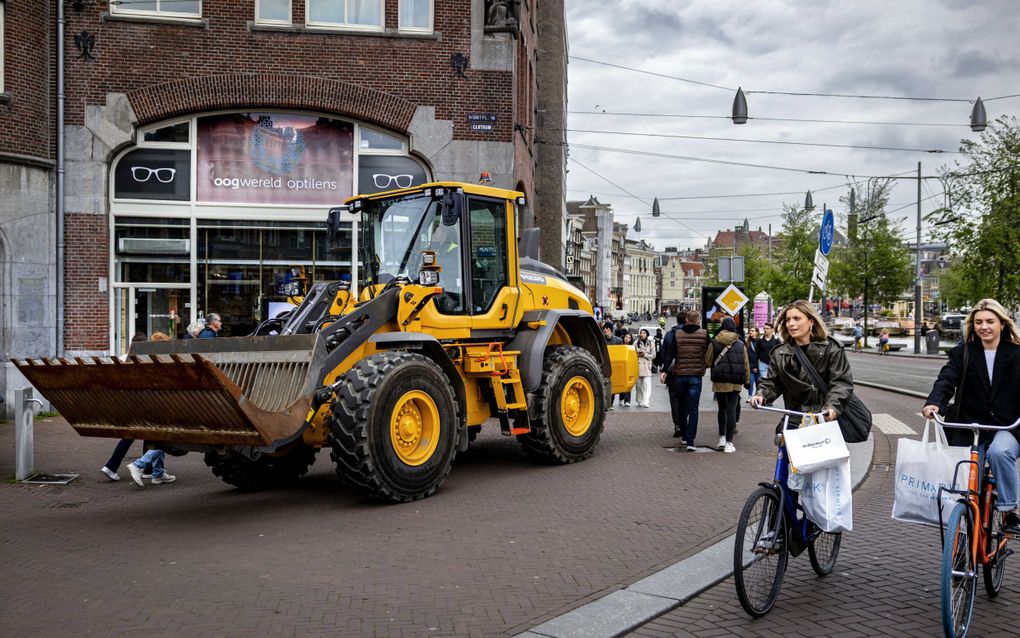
x: 270, y: 471
x: 565, y: 370
x: 760, y: 551
x: 958, y: 582
x: 823, y: 550
x: 380, y: 402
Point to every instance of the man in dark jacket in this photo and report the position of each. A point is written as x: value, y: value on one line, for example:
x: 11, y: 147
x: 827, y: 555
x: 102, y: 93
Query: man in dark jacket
x: 683, y: 366
x: 213, y: 324
x: 766, y: 343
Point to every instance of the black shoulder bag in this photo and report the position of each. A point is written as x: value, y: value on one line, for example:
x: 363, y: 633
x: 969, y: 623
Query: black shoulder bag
x: 855, y: 421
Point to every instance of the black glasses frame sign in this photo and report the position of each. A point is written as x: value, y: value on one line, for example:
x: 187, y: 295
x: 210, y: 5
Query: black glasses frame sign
x: 153, y: 173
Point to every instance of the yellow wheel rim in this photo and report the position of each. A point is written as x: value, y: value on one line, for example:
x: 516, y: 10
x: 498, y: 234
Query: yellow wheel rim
x: 577, y: 406
x: 414, y: 428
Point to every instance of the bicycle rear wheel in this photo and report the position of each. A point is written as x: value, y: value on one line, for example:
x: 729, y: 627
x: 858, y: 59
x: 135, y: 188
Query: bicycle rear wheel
x: 823, y: 550
x: 996, y: 566
x: 760, y: 552
x: 959, y: 573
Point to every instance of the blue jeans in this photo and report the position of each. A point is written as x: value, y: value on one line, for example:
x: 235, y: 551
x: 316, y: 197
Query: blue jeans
x: 685, y: 395
x: 1002, y: 455
x: 754, y: 381
x: 154, y: 457
x: 763, y: 371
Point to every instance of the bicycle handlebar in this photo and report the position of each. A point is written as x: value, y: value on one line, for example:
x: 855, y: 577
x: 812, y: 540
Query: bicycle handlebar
x: 787, y: 412
x: 973, y: 426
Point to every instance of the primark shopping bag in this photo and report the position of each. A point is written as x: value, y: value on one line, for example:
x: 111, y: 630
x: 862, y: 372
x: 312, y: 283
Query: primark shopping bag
x: 815, y: 446
x: 827, y: 498
x: 921, y: 468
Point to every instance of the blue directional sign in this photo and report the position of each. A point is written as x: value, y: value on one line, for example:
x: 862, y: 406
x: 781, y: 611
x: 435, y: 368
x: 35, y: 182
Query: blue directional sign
x: 826, y: 233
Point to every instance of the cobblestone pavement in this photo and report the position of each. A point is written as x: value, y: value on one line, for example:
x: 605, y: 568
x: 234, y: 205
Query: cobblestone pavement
x: 885, y: 582
x: 503, y: 546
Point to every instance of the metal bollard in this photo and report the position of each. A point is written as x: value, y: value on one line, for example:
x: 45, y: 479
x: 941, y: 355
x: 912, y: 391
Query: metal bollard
x: 23, y: 414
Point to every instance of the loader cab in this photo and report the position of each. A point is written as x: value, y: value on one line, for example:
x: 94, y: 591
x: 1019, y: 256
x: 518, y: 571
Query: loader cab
x: 470, y: 231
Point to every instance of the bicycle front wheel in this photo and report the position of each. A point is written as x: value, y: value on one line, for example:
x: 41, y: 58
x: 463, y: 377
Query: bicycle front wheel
x: 959, y: 573
x: 823, y: 551
x: 760, y: 552
x: 996, y: 565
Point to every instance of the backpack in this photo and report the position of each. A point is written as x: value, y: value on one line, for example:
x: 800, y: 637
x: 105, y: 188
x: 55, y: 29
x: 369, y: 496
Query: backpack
x: 728, y: 366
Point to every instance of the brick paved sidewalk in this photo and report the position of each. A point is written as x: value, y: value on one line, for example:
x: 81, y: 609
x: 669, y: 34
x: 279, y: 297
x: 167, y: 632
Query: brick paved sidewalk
x: 505, y: 544
x: 886, y: 581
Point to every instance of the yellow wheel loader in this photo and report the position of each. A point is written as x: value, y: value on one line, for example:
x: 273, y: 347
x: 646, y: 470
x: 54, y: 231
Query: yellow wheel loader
x: 450, y: 323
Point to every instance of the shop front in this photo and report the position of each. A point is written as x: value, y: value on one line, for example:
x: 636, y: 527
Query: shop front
x: 226, y: 213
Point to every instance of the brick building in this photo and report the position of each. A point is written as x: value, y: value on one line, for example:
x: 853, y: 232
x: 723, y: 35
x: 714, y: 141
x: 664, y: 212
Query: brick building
x: 203, y: 143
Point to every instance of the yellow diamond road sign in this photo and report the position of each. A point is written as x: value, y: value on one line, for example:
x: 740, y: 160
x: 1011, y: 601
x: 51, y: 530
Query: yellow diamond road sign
x: 731, y: 300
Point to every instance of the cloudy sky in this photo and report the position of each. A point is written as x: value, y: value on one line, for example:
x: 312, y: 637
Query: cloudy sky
x: 932, y: 48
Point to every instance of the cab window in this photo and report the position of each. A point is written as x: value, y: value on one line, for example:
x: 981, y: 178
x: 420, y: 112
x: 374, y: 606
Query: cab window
x: 488, y: 252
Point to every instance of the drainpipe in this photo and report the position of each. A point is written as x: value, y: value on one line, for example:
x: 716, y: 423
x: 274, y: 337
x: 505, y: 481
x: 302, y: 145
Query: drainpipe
x: 60, y: 179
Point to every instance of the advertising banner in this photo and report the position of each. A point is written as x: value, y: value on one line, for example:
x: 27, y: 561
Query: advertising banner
x: 274, y: 158
x: 153, y: 173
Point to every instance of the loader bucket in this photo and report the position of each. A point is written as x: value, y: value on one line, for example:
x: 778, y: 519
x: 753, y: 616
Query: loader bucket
x: 226, y: 391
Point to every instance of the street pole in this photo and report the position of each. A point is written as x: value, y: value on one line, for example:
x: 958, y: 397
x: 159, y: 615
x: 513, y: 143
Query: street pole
x: 918, y: 311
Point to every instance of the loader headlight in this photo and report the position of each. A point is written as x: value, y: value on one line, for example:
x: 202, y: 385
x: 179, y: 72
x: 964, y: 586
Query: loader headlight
x: 428, y: 277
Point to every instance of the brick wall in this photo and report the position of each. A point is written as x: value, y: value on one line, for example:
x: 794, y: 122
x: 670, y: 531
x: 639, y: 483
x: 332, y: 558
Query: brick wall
x: 86, y: 311
x: 134, y: 55
x: 26, y: 111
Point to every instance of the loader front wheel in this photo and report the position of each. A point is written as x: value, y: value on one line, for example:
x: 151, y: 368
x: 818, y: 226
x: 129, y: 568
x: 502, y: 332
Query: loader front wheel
x: 394, y: 427
x: 571, y: 407
x: 269, y: 471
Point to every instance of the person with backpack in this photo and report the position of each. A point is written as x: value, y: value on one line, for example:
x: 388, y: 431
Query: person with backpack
x: 682, y: 362
x: 731, y: 371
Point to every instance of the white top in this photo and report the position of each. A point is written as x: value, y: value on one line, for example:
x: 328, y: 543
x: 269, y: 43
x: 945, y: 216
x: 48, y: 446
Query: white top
x: 990, y: 362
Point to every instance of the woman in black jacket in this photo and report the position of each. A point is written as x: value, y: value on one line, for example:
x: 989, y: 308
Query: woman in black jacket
x: 984, y: 371
x: 801, y: 327
x: 727, y: 360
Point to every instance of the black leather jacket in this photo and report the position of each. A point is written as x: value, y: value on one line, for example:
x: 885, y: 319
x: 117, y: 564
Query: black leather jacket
x: 786, y: 379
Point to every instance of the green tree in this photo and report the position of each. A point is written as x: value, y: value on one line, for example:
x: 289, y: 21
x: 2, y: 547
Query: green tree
x: 788, y: 277
x: 876, y: 265
x: 983, y: 227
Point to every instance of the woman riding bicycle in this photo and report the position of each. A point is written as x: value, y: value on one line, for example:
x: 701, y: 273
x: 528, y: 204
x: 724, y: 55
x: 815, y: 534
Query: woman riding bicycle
x: 801, y: 327
x: 987, y: 365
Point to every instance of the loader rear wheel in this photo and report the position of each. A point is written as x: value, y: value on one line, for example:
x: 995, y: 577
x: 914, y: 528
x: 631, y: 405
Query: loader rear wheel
x: 571, y: 407
x: 394, y: 427
x: 269, y: 471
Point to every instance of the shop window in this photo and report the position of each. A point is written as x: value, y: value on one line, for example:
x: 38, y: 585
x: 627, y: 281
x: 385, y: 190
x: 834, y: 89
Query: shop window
x: 372, y: 140
x: 149, y: 252
x: 170, y: 8
x: 347, y: 14
x: 177, y: 133
x: 272, y: 11
x: 416, y: 16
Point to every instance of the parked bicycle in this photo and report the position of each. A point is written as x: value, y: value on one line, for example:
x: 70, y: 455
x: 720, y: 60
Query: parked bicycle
x: 972, y: 536
x: 772, y: 526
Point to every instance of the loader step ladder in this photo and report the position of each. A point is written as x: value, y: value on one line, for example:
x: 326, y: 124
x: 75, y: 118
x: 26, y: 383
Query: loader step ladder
x: 506, y: 384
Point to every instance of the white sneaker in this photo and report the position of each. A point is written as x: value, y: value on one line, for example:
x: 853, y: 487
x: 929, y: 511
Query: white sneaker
x: 136, y: 474
x: 729, y: 449
x: 166, y: 478
x: 691, y: 448
x: 722, y: 443
x: 110, y: 474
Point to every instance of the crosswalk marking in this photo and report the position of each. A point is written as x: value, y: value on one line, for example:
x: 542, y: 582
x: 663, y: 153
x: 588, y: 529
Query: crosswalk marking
x: 891, y: 425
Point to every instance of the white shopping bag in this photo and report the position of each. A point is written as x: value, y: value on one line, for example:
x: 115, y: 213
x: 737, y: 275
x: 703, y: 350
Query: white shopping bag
x: 921, y: 468
x: 827, y: 498
x: 815, y: 446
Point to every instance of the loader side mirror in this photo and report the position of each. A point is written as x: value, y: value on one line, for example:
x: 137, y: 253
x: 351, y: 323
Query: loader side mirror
x: 333, y: 224
x: 451, y: 206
